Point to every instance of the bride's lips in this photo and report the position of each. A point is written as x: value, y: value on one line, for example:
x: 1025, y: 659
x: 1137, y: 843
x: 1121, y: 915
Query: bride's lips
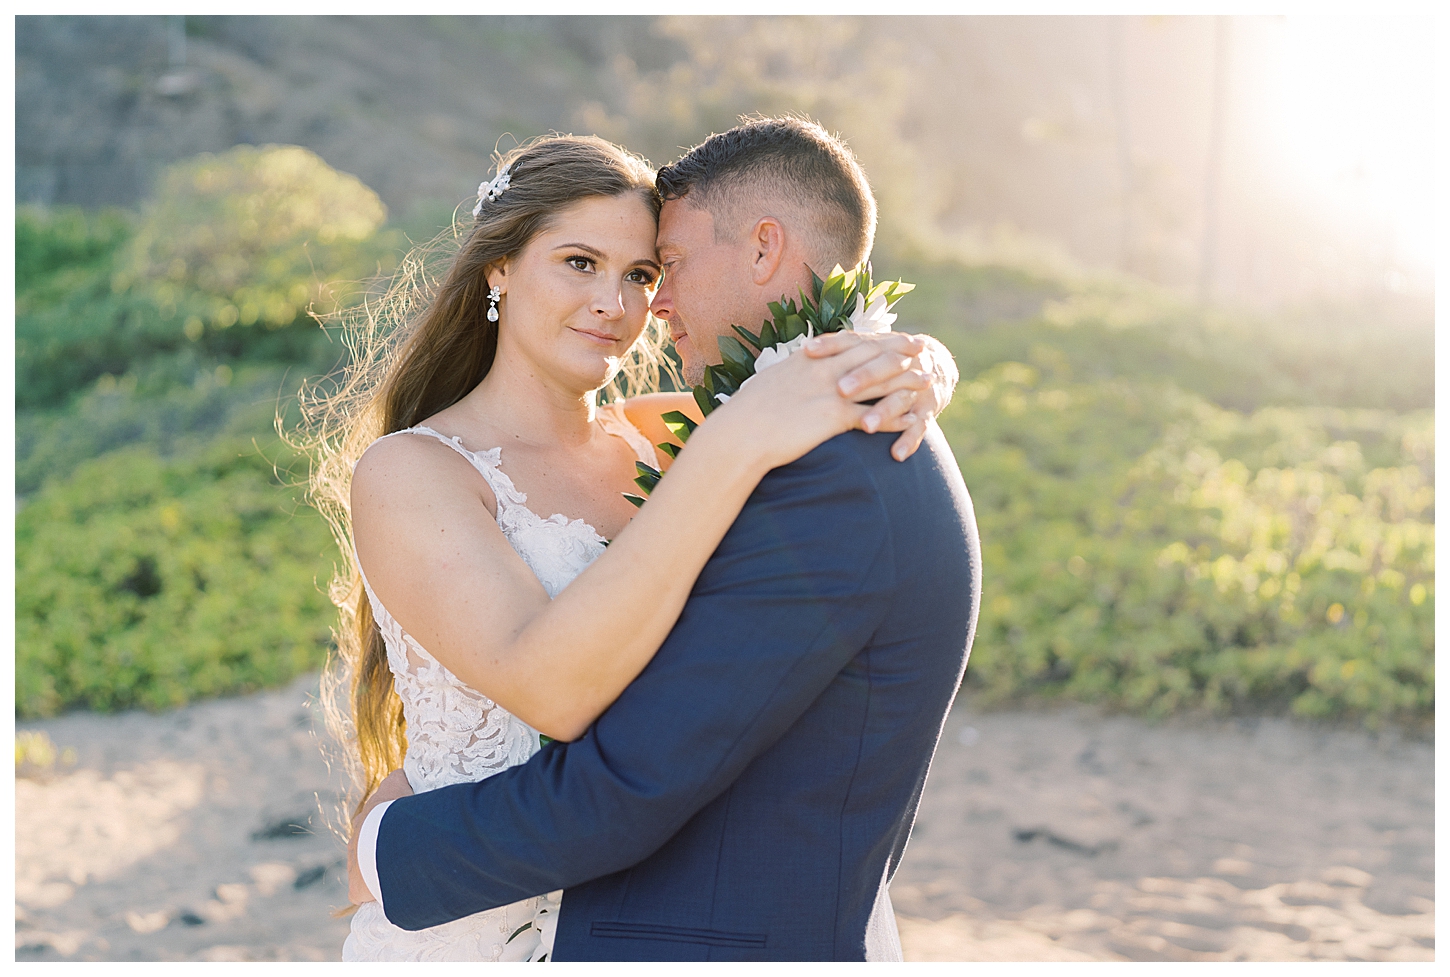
x: 602, y: 338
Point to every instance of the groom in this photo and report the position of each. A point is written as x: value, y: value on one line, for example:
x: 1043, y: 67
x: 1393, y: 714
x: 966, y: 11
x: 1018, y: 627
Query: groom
x: 750, y: 794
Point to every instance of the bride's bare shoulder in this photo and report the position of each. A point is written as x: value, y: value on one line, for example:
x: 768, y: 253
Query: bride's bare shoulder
x: 409, y: 469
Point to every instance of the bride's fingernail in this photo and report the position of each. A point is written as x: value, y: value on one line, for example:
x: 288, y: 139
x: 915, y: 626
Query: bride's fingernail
x: 848, y: 385
x: 871, y: 422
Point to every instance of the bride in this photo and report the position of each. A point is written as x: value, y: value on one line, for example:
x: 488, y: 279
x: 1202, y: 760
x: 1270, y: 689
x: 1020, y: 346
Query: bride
x: 455, y: 433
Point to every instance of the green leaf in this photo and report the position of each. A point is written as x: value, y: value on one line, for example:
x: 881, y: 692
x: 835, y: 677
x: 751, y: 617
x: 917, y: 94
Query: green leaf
x: 635, y: 499
x: 807, y: 305
x: 777, y: 311
x: 794, y: 326
x: 649, y: 477
x: 749, y: 337
x: 833, y: 296
x: 706, y: 402
x: 896, y: 290
x: 721, y: 380
x: 669, y: 448
x: 737, y: 359
x: 680, y: 424
x: 816, y: 284
x: 768, y: 335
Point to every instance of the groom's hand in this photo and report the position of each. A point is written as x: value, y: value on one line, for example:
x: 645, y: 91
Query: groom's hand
x: 912, y: 380
x: 394, y: 785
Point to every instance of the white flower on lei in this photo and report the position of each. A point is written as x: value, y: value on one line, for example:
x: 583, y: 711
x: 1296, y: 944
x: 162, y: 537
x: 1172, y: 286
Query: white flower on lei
x: 779, y: 352
x: 868, y: 319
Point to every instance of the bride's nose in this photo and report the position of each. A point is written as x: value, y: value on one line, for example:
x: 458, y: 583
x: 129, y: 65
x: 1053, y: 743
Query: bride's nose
x: 609, y: 303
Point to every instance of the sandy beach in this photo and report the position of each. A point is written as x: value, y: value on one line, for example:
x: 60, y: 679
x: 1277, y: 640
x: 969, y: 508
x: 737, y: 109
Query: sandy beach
x: 1042, y: 835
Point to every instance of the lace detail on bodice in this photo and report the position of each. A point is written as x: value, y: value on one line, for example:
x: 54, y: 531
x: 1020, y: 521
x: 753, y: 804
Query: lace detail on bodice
x: 456, y: 734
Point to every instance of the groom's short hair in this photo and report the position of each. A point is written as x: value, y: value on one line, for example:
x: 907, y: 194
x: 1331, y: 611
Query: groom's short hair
x: 787, y: 158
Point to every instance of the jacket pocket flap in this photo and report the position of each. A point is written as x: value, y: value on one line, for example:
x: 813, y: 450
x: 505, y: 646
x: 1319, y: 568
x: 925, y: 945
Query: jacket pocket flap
x: 675, y: 934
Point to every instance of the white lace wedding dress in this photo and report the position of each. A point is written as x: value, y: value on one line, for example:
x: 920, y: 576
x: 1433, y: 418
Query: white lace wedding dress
x: 458, y: 735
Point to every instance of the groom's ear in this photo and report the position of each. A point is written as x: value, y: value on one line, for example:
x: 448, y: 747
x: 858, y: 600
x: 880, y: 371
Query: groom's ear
x: 767, y: 246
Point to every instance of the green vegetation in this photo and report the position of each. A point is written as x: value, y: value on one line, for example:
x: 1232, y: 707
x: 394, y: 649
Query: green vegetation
x: 1180, y: 510
x: 224, y: 264
x: 146, y: 582
x: 161, y: 553
x: 1148, y: 548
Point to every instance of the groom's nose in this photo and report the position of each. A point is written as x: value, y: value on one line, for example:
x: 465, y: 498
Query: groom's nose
x: 663, y: 304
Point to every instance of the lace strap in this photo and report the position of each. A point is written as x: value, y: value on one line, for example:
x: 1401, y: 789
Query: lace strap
x: 612, y: 418
x: 485, y: 462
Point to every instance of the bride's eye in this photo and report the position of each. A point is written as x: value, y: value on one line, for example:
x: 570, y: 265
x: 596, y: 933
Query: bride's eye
x: 642, y: 276
x: 579, y: 263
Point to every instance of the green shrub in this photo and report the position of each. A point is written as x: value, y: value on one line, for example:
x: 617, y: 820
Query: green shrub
x: 69, y: 326
x: 148, y: 582
x: 175, y: 405
x: 1147, y: 550
x: 55, y: 251
x: 224, y: 263
x: 239, y: 239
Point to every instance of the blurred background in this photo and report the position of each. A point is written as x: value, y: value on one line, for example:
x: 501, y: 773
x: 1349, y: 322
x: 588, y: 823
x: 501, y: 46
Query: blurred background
x: 1185, y: 265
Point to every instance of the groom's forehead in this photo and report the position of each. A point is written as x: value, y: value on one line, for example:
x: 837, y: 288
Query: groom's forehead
x: 683, y: 224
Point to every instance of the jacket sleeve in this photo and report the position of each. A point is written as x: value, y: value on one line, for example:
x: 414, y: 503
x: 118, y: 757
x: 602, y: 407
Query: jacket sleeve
x: 793, y: 592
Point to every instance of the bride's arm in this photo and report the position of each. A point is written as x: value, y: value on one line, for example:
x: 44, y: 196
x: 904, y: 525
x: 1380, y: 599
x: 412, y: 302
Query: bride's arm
x: 913, y: 377
x: 440, y: 564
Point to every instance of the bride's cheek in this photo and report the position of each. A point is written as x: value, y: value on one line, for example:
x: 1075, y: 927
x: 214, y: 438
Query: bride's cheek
x: 639, y: 317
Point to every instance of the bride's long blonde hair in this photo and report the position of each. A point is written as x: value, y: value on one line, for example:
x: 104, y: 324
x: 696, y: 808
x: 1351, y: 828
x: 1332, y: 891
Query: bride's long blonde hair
x: 418, y: 348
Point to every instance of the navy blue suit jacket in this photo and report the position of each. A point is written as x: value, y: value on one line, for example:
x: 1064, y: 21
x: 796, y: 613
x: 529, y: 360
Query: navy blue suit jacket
x: 749, y: 795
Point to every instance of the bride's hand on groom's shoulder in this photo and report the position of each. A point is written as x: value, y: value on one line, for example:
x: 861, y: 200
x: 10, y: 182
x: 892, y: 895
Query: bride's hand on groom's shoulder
x: 394, y: 786
x: 807, y: 391
x: 912, y: 378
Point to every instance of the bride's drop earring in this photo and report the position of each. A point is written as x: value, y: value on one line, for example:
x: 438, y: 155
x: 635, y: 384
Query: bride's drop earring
x: 494, y: 294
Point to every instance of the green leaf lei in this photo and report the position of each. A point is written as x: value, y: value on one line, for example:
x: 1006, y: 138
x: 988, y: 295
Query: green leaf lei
x: 829, y: 308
